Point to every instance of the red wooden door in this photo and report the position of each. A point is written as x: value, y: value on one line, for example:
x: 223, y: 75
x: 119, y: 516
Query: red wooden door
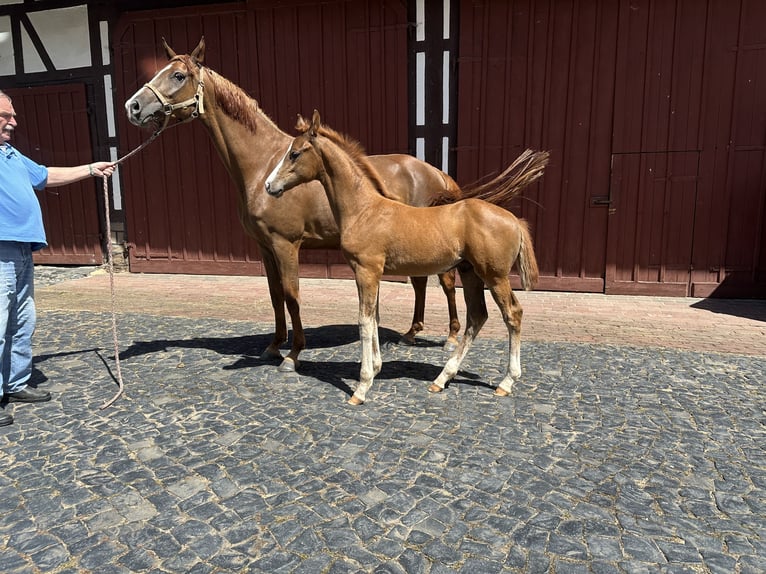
x: 657, y: 142
x: 540, y: 74
x: 54, y: 130
x: 742, y: 247
x: 180, y: 203
x: 651, y: 105
x: 651, y: 223
x: 347, y: 59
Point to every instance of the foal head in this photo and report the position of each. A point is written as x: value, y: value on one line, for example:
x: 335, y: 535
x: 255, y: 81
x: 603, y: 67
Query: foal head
x: 301, y: 162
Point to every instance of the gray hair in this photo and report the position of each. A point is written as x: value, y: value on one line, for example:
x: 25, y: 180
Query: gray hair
x: 4, y: 95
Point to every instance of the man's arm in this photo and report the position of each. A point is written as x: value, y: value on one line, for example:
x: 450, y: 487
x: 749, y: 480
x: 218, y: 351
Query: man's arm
x: 64, y: 175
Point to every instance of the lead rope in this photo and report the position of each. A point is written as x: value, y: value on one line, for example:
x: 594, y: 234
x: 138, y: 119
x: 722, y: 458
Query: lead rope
x: 110, y: 265
x: 110, y: 260
x: 198, y: 102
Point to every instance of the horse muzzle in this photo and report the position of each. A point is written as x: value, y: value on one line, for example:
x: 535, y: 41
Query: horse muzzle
x: 141, y: 113
x: 274, y: 191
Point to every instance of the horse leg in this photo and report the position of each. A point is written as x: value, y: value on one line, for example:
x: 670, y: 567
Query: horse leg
x: 277, y: 296
x: 447, y: 281
x: 288, y: 265
x: 377, y: 358
x: 476, y: 316
x: 367, y: 285
x: 419, y: 285
x: 512, y: 313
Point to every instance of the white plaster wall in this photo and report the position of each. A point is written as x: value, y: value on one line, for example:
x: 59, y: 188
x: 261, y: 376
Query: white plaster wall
x: 6, y: 47
x: 64, y: 33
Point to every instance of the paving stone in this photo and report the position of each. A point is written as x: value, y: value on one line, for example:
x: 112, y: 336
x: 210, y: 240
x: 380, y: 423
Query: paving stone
x: 315, y: 563
x: 642, y: 550
x: 389, y: 568
x: 14, y: 561
x: 50, y: 558
x: 101, y: 554
x: 441, y: 553
x: 567, y: 547
x: 752, y: 564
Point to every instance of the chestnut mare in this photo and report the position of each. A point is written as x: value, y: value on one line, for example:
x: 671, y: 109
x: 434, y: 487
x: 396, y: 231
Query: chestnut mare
x: 250, y: 145
x: 379, y: 235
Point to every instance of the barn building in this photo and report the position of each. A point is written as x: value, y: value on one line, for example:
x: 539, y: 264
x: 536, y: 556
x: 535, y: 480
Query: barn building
x: 653, y: 110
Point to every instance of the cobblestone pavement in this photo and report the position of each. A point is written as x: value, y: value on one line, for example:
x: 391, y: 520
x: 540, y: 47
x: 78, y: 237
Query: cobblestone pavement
x: 608, y: 456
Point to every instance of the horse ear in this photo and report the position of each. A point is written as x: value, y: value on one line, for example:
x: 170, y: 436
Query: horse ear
x: 302, y: 125
x: 168, y: 50
x: 198, y: 55
x: 316, y: 123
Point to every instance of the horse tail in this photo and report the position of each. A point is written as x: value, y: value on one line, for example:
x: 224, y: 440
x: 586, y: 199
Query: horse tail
x: 527, y: 262
x: 450, y: 193
x: 525, y: 170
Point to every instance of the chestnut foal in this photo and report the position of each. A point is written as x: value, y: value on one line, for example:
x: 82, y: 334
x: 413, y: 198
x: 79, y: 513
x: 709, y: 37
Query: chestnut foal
x: 379, y: 235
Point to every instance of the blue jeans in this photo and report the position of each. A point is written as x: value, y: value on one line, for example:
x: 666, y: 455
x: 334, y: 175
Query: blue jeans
x: 17, y: 315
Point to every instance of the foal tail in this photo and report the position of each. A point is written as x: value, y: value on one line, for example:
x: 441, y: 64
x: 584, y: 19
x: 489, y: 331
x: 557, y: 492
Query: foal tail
x: 527, y: 262
x: 501, y: 189
x: 524, y: 171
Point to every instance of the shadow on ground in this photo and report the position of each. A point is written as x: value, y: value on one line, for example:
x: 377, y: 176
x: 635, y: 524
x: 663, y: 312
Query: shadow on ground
x: 754, y: 309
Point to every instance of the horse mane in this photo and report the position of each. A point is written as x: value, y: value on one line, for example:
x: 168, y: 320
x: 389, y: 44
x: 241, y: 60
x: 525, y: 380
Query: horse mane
x: 233, y: 100
x: 355, y: 151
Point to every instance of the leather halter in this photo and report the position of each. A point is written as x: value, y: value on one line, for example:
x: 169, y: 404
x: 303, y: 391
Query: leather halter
x: 197, y: 100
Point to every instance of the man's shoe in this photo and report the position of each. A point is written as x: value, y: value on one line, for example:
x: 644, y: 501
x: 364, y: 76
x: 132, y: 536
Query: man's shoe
x: 29, y: 395
x: 5, y: 420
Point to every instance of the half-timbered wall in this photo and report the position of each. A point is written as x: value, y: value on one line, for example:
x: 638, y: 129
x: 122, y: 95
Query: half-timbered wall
x: 51, y: 65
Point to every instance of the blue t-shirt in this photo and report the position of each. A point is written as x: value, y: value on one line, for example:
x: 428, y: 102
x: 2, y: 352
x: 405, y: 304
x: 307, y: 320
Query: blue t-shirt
x: 21, y: 218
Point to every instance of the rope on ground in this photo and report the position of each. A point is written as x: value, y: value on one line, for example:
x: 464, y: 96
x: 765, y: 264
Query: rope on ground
x: 110, y: 260
x: 110, y: 263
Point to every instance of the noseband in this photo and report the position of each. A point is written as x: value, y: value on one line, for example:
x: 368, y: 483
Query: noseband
x: 167, y: 108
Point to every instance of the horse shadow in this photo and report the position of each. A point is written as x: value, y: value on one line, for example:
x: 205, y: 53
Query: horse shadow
x: 246, y: 346
x: 337, y: 373
x: 249, y: 347
x: 334, y: 372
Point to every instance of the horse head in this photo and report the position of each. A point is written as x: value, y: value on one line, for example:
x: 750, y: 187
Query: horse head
x: 301, y: 162
x: 176, y: 91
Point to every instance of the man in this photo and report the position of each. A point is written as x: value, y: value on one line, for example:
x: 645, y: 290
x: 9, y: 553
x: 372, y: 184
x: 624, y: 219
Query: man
x: 21, y: 233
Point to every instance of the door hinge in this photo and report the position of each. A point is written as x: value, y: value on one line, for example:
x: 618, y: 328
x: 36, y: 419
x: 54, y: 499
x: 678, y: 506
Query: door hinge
x: 600, y: 200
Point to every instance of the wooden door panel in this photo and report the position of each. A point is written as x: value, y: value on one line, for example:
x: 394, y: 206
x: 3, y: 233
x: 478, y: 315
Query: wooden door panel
x: 541, y: 75
x: 651, y: 222
x: 348, y: 59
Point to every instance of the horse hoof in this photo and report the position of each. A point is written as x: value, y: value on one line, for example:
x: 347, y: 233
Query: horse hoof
x: 356, y: 401
x: 408, y: 341
x: 269, y: 355
x: 434, y: 388
x: 501, y: 392
x: 287, y: 366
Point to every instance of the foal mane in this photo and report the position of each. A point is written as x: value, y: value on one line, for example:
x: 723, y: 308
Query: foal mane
x: 233, y: 100
x: 356, y: 153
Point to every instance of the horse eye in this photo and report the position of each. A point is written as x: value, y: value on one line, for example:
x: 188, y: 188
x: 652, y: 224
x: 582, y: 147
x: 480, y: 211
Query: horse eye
x: 294, y: 155
x: 179, y: 77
